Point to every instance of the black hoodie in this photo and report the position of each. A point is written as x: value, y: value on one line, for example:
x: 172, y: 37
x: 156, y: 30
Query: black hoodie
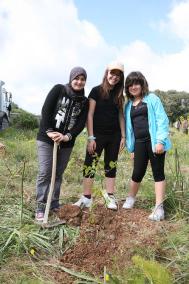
x: 64, y: 111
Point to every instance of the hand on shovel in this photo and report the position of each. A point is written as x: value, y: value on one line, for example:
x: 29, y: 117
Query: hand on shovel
x: 58, y: 137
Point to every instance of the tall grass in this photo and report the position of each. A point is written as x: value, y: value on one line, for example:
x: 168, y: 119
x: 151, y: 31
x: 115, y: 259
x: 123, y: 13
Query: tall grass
x: 21, y: 237
x: 18, y: 232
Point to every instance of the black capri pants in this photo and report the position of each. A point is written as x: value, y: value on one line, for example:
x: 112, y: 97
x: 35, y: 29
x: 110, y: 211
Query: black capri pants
x: 142, y: 154
x: 110, y: 144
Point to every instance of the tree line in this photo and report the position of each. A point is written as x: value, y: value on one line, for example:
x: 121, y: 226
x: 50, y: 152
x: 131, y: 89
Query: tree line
x: 176, y: 104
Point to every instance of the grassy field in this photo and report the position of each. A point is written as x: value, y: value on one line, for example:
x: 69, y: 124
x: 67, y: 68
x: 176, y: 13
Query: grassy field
x: 26, y: 250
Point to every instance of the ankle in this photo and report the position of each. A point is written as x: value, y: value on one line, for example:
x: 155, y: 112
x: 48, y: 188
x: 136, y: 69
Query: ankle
x: 131, y: 197
x: 159, y: 205
x: 87, y: 196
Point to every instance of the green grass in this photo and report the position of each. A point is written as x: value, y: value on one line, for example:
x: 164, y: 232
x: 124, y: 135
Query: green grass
x: 19, y: 235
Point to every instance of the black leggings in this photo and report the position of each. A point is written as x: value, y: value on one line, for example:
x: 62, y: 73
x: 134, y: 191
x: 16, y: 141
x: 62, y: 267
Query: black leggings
x: 110, y: 144
x: 142, y: 154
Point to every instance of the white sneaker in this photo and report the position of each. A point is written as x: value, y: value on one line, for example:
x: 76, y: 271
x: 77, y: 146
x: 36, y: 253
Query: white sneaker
x: 129, y: 202
x: 84, y: 202
x: 39, y: 216
x: 110, y: 201
x: 157, y: 214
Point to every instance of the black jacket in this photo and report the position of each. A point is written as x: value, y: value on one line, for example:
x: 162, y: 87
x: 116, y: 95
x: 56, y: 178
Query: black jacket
x: 65, y: 111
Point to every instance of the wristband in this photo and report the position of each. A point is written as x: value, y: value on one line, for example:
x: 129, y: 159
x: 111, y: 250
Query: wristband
x: 69, y: 136
x: 49, y: 130
x: 91, y: 137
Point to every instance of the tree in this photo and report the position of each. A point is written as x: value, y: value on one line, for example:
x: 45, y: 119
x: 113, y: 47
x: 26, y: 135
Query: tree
x: 176, y: 103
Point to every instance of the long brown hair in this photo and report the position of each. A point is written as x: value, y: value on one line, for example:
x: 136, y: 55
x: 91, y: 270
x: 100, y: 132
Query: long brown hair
x: 136, y: 77
x: 105, y: 89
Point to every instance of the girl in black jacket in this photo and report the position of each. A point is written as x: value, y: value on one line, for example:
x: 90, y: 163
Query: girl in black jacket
x: 64, y: 115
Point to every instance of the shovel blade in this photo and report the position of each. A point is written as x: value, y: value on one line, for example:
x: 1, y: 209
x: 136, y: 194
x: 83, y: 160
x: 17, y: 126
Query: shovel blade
x: 53, y: 224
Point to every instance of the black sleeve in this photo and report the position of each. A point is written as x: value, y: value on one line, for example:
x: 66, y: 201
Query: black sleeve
x: 78, y: 127
x: 94, y: 93
x: 50, y: 106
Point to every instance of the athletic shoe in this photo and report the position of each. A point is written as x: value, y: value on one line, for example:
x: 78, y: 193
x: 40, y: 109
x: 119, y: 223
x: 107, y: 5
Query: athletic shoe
x: 157, y: 214
x: 110, y: 201
x: 129, y: 202
x: 84, y: 202
x: 39, y: 216
x: 56, y: 209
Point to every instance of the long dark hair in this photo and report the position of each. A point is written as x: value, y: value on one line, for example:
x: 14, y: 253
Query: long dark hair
x: 105, y: 89
x: 136, y: 77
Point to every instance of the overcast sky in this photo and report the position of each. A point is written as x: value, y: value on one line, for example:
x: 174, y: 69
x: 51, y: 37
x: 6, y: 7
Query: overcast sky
x: 41, y: 40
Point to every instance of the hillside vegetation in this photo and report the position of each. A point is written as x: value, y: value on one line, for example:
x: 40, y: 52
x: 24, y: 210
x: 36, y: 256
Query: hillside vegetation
x: 104, y: 246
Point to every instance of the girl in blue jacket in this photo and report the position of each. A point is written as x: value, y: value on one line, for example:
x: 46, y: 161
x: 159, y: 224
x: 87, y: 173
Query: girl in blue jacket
x: 147, y: 130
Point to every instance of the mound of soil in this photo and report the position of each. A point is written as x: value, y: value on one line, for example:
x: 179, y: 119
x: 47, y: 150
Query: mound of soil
x: 71, y: 214
x: 109, y: 238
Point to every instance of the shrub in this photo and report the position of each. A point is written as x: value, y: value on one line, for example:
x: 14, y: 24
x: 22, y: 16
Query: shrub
x: 25, y: 120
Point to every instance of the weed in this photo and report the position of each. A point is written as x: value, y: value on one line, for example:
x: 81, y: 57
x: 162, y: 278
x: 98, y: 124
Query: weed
x: 152, y: 271
x: 177, y: 190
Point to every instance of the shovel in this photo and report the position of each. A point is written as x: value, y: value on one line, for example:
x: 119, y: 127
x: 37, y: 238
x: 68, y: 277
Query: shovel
x: 50, y: 194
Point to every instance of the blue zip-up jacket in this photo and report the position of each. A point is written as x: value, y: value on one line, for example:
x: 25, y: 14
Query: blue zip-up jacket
x: 157, y: 120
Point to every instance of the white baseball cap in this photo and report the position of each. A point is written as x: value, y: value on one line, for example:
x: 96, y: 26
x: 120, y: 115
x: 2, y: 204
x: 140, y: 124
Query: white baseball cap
x: 115, y: 65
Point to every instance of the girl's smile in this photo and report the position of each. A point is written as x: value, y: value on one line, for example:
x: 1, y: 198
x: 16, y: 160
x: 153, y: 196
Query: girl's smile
x: 113, y: 77
x: 135, y: 90
x: 78, y: 83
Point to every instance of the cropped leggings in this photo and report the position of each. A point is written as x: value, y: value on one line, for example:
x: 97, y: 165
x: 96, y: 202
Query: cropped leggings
x: 110, y: 144
x: 142, y: 154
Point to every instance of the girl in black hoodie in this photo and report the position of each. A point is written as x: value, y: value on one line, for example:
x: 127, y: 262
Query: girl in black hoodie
x: 64, y: 115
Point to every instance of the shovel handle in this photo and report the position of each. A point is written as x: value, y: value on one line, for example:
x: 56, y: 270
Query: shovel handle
x: 47, y: 208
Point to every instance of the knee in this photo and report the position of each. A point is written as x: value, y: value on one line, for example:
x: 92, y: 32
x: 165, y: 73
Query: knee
x: 110, y: 172
x: 110, y: 175
x: 159, y: 177
x: 44, y: 176
x: 137, y: 176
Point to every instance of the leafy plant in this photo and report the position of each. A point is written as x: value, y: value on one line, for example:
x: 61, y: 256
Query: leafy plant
x: 152, y: 271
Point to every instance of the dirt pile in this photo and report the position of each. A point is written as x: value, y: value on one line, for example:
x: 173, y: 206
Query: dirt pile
x: 109, y: 238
